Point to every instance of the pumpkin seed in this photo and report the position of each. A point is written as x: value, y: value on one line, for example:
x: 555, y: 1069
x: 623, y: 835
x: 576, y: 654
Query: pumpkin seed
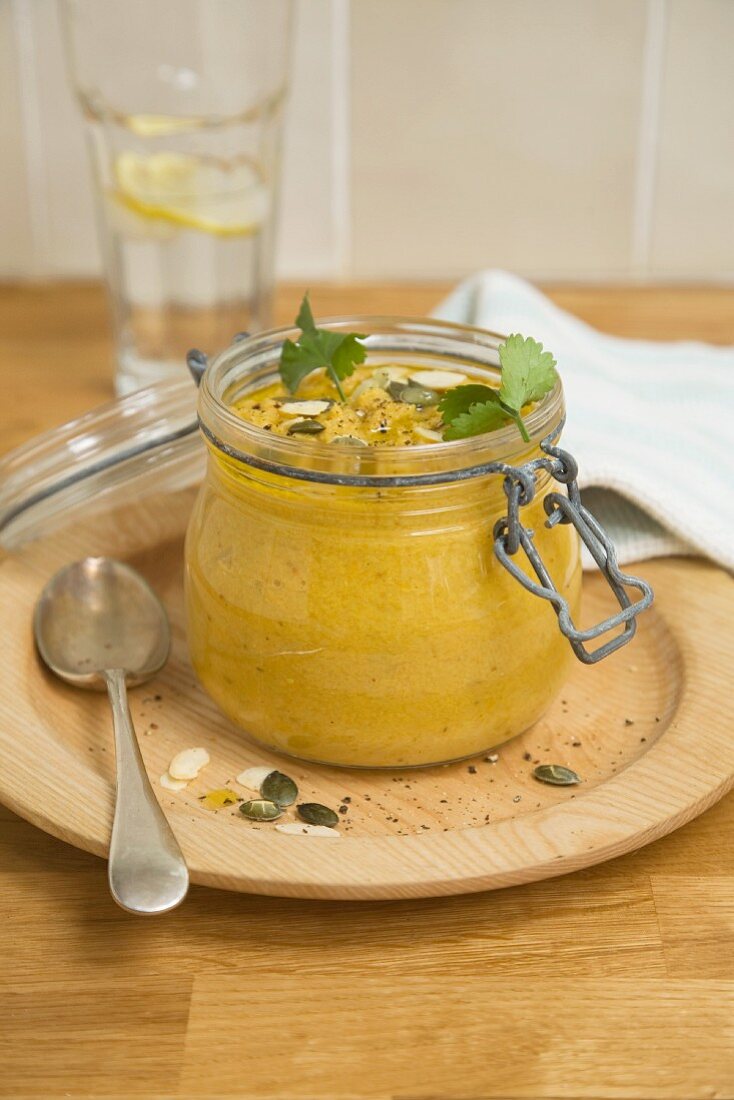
x: 556, y: 774
x: 396, y: 388
x: 316, y: 814
x: 260, y: 809
x: 305, y: 427
x: 280, y: 789
x: 410, y: 394
x: 419, y: 395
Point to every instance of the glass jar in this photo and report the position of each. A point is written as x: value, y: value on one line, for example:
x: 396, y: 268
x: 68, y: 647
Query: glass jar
x: 345, y: 604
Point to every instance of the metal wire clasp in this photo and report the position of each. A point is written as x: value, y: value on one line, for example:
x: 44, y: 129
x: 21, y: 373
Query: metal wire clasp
x: 510, y: 535
x: 197, y: 361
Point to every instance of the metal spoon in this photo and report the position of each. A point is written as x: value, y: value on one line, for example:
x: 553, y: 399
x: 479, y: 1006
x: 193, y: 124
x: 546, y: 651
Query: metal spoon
x: 99, y: 625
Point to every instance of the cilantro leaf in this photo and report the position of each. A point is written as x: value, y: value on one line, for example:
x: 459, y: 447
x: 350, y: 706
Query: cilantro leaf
x: 298, y: 360
x: 528, y: 372
x: 338, y: 353
x: 305, y: 320
x: 347, y: 353
x: 479, y: 418
x: 460, y: 399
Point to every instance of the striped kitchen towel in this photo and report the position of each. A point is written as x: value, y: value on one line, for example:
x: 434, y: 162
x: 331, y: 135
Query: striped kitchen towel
x: 650, y: 424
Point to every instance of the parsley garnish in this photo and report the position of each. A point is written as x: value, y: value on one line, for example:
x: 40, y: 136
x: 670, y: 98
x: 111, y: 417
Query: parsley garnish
x: 528, y: 373
x: 317, y: 347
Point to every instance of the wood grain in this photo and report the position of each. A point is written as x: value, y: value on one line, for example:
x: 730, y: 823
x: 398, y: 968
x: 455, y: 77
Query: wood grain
x: 615, y: 981
x: 648, y: 759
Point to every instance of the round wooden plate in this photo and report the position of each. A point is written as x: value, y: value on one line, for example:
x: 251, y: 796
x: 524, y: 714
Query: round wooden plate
x: 647, y: 730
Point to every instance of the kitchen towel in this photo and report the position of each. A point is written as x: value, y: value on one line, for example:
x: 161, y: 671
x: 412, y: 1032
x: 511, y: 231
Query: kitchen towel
x: 651, y: 424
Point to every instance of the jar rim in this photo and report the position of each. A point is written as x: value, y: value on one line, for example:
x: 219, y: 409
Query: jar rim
x: 252, y: 358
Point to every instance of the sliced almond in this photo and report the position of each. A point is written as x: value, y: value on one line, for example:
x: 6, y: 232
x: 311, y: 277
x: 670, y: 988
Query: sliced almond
x: 172, y: 784
x: 392, y: 374
x: 296, y: 828
x: 350, y: 441
x: 253, y: 778
x: 304, y: 408
x: 379, y: 380
x: 428, y: 433
x: 438, y: 379
x: 188, y: 764
x: 370, y: 383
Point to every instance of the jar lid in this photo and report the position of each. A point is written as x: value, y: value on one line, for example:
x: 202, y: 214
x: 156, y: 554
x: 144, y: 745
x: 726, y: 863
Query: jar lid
x: 145, y: 442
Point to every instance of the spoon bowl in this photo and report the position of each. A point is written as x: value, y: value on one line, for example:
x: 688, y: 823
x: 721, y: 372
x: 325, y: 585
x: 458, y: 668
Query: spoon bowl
x: 98, y: 614
x: 99, y: 625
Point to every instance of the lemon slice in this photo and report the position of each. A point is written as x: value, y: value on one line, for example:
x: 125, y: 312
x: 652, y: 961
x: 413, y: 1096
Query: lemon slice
x: 225, y: 199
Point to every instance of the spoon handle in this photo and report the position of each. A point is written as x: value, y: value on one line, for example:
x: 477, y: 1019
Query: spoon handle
x: 147, y: 872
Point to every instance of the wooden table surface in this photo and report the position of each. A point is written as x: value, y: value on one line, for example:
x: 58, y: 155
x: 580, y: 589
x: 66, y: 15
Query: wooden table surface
x: 616, y: 982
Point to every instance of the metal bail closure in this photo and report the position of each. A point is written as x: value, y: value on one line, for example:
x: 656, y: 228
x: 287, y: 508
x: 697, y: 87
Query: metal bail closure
x: 510, y: 534
x: 197, y: 361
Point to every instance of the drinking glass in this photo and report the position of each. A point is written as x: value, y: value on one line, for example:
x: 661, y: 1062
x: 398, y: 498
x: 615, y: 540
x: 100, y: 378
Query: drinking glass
x: 184, y: 102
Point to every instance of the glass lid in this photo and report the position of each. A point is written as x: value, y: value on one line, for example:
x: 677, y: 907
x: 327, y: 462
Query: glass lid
x: 145, y: 442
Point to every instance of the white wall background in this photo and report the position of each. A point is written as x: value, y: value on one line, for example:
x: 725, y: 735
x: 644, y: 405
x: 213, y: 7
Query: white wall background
x: 578, y: 139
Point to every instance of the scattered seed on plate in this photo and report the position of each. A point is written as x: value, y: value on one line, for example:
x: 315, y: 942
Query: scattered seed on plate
x: 188, y: 764
x: 316, y: 814
x: 260, y: 809
x: 253, y: 778
x: 172, y: 784
x: 556, y: 774
x: 215, y: 800
x: 303, y: 828
x: 279, y: 788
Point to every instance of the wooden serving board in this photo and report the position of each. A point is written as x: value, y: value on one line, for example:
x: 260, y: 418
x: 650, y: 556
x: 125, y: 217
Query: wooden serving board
x: 648, y: 730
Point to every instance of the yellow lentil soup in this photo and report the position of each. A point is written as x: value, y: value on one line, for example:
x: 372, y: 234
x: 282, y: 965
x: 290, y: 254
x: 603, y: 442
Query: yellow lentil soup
x: 335, y: 612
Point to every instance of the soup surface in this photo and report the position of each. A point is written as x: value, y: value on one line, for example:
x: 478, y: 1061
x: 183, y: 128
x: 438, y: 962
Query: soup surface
x: 387, y: 405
